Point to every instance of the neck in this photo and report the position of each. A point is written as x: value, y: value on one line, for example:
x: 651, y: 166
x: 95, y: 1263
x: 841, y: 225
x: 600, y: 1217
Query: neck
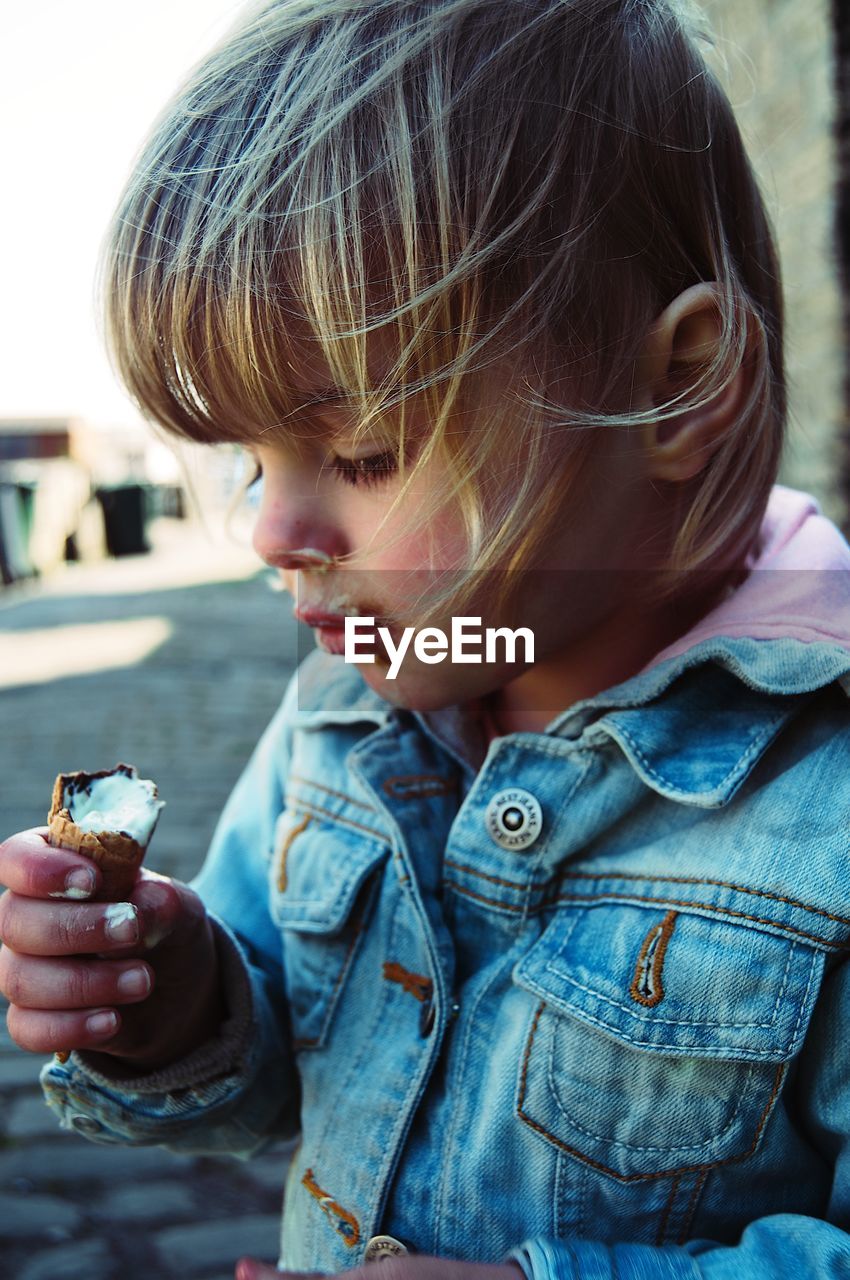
x: 613, y: 651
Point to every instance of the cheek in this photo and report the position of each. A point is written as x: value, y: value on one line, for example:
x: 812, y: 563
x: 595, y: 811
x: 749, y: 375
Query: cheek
x: 439, y: 544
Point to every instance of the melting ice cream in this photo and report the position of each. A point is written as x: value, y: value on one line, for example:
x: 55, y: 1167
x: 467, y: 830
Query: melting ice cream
x: 119, y: 801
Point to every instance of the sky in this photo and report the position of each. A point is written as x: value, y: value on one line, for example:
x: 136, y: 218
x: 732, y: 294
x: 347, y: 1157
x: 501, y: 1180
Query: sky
x: 80, y: 84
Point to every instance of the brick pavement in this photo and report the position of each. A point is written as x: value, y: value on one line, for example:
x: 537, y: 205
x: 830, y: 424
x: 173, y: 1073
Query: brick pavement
x: 210, y: 647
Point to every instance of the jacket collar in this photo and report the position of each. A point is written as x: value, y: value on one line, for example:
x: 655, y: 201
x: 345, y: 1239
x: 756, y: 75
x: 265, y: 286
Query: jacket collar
x: 783, y: 634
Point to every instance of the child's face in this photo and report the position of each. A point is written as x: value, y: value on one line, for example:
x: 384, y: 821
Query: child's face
x: 332, y: 500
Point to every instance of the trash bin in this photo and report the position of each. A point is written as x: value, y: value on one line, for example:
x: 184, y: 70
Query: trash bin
x: 16, y: 504
x: 125, y: 518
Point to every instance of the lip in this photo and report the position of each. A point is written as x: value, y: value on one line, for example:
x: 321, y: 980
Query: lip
x: 318, y: 618
x: 331, y: 639
x: 330, y: 629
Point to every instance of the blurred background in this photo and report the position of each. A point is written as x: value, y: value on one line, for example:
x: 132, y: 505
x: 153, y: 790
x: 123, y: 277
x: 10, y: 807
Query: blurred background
x: 132, y: 628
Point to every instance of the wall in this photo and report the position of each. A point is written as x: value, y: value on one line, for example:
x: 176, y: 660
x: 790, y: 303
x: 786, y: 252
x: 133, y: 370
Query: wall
x: 775, y: 58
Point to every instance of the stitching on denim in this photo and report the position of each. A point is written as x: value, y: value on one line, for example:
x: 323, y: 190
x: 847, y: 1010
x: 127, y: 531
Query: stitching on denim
x: 634, y: 1146
x: 705, y: 1051
x: 738, y: 768
x: 448, y: 1176
x: 304, y: 1043
x: 416, y: 984
x: 719, y: 884
x: 634, y: 1177
x: 690, y: 1209
x: 284, y: 850
x: 490, y: 902
x: 346, y: 1225
x: 674, y: 902
x: 307, y: 806
x: 351, y: 1071
x: 707, y: 906
x: 341, y: 795
x: 401, y: 871
x: 683, y: 1022
x: 799, y: 1021
x: 341, y: 896
x: 433, y: 784
x: 716, y: 1051
x: 650, y: 877
x: 657, y: 937
x: 519, y: 885
x: 671, y: 1200
x: 543, y: 845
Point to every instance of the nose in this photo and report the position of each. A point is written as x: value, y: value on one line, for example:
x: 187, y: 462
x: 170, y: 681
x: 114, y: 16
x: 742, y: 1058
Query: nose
x: 294, y: 529
x: 285, y: 546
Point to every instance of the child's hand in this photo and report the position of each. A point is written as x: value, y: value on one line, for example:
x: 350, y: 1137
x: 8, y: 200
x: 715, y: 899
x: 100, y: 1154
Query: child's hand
x: 407, y: 1267
x: 138, y: 981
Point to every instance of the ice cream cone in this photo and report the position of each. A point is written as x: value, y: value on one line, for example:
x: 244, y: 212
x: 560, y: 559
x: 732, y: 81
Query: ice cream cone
x: 118, y: 854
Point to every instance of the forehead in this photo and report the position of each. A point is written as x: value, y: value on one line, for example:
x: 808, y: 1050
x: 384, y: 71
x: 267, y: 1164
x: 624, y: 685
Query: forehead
x: 318, y: 374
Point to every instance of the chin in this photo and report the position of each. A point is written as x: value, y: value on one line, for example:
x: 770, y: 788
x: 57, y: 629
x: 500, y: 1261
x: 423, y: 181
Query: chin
x: 399, y: 694
x: 424, y: 690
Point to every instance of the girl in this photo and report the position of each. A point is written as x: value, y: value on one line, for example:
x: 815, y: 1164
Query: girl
x: 544, y: 962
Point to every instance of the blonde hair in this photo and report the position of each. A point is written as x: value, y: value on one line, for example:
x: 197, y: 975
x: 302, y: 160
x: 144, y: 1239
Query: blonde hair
x: 488, y: 184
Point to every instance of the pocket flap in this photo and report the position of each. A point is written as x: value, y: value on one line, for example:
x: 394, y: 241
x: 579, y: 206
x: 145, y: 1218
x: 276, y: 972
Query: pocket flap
x: 317, y: 870
x: 676, y: 982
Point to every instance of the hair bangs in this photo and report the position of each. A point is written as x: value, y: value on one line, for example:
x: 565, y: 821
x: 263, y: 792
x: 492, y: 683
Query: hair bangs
x: 392, y: 201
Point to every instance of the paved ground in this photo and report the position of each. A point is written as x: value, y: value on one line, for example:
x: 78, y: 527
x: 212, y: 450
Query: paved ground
x: 174, y: 662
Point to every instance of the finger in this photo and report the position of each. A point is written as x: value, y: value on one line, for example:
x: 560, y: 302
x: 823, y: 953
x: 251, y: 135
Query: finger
x: 39, y: 928
x: 169, y: 911
x: 51, y: 1032
x: 38, y: 982
x: 33, y: 868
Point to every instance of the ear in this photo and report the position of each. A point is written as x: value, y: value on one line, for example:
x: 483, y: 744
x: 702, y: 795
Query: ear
x: 679, y: 346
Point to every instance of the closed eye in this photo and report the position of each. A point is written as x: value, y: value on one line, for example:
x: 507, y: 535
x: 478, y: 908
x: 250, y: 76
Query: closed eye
x: 375, y: 469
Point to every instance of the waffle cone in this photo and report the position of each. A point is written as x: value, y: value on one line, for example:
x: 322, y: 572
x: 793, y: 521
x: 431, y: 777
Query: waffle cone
x: 118, y: 856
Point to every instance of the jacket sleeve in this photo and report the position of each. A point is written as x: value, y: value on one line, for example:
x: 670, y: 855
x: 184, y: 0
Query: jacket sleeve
x: 782, y: 1246
x: 240, y: 1089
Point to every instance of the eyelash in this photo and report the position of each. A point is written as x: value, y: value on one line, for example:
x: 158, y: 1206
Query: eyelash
x: 359, y: 472
x: 376, y: 469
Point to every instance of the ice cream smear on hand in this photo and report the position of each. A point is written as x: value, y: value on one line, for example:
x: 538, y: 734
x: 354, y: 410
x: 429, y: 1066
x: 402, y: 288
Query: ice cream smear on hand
x: 121, y: 801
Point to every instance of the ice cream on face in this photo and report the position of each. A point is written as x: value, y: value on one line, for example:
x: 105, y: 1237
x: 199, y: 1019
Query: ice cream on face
x: 120, y: 802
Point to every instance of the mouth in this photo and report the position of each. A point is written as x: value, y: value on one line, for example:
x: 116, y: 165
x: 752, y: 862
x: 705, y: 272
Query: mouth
x: 318, y: 617
x: 330, y: 629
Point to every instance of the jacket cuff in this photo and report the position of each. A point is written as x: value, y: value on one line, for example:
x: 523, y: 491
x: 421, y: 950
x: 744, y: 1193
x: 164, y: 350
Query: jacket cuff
x: 225, y: 1053
x: 543, y: 1259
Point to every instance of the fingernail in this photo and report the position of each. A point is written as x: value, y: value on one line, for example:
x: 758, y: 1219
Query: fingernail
x: 134, y: 982
x: 122, y: 922
x: 80, y: 883
x: 102, y: 1024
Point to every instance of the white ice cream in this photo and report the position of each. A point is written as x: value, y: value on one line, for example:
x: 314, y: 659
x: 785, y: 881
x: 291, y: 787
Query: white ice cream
x: 120, y: 802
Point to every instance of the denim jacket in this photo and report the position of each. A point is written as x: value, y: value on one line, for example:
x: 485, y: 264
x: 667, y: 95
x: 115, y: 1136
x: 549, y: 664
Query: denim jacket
x: 579, y: 998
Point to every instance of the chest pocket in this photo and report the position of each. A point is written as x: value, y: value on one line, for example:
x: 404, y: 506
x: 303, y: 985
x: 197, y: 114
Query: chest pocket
x: 324, y: 878
x: 659, y: 1039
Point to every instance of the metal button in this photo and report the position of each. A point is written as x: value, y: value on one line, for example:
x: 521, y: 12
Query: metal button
x: 86, y: 1124
x: 380, y: 1247
x: 514, y: 818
